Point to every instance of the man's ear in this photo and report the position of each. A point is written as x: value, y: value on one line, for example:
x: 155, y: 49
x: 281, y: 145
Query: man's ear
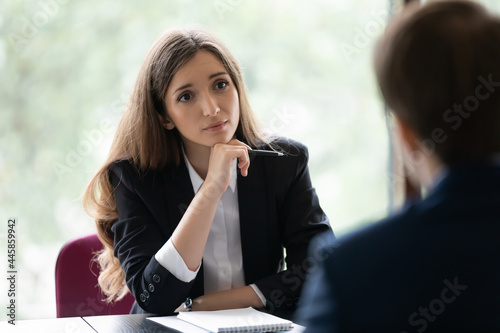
x: 407, y: 134
x: 166, y: 122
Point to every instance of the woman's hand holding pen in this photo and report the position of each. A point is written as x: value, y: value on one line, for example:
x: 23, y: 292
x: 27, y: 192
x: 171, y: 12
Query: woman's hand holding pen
x: 221, y: 161
x: 190, y: 236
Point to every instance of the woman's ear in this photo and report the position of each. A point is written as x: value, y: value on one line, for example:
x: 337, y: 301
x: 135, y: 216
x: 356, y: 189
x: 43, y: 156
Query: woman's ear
x: 166, y: 122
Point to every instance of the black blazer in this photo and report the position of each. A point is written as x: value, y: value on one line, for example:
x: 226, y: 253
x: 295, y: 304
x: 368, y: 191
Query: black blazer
x: 434, y: 267
x: 278, y: 207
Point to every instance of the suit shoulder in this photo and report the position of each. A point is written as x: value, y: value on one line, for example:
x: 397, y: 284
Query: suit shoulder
x: 129, y: 173
x: 123, y: 168
x: 119, y: 165
x: 381, y: 236
x: 129, y: 167
x: 122, y: 172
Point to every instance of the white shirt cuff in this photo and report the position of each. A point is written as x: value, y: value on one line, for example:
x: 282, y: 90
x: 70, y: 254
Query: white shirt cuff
x: 172, y: 261
x: 259, y: 293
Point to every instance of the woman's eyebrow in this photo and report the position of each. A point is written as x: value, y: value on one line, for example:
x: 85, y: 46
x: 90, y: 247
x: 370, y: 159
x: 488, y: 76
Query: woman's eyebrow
x: 189, y: 84
x: 183, y: 87
x: 216, y: 74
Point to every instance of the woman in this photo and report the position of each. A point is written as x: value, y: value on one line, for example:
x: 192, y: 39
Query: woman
x: 182, y: 210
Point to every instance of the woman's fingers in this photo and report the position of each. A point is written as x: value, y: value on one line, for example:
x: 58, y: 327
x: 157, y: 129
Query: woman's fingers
x: 241, y: 153
x: 222, y: 157
x: 226, y: 153
x: 237, y: 142
x: 244, y: 163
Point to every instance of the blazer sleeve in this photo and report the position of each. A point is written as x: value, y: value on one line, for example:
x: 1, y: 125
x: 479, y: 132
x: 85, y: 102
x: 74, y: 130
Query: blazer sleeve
x: 300, y: 219
x: 137, y: 238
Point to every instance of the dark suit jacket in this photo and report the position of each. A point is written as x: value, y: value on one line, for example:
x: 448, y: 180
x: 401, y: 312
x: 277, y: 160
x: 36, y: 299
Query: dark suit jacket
x: 278, y: 209
x: 435, y: 267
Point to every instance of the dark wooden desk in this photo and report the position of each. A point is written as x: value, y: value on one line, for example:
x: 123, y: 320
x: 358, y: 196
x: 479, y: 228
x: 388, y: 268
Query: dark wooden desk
x: 126, y: 323
x: 135, y: 323
x: 59, y: 325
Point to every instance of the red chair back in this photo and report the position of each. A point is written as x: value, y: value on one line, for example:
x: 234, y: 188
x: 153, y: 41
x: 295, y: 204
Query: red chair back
x: 77, y: 290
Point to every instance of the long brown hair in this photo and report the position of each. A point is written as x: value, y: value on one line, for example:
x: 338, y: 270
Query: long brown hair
x: 141, y: 139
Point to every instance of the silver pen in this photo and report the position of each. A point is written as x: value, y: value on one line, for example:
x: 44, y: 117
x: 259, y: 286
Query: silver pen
x: 257, y: 152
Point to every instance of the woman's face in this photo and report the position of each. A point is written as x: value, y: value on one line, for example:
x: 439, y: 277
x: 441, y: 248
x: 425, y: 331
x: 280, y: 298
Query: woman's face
x: 202, y: 102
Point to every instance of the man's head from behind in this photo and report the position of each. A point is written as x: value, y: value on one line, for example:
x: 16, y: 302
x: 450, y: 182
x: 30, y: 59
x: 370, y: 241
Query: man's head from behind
x: 438, y: 68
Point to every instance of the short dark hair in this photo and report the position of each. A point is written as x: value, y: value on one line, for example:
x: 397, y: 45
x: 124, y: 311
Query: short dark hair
x: 438, y: 69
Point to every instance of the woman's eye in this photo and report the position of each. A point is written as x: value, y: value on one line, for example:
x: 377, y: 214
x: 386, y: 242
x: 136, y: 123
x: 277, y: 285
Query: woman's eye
x: 221, y: 85
x: 184, y: 98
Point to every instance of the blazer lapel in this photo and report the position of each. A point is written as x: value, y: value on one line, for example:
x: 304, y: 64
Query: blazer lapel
x: 178, y: 193
x: 253, y: 207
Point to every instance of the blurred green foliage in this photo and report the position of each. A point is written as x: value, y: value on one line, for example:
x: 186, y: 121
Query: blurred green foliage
x: 67, y: 68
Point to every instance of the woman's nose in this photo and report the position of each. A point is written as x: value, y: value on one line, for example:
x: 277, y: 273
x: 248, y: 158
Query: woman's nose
x: 210, y: 107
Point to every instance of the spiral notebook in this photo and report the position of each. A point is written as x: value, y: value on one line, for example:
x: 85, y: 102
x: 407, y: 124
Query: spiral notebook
x: 236, y: 320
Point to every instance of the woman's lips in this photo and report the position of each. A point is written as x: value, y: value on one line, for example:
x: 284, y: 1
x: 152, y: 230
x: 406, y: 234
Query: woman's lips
x: 216, y: 126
